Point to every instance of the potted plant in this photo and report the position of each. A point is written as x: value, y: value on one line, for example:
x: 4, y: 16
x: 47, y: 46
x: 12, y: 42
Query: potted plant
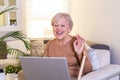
x: 16, y: 35
x: 11, y: 71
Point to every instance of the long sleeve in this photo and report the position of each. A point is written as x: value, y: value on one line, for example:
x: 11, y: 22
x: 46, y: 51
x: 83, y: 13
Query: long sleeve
x: 88, y: 65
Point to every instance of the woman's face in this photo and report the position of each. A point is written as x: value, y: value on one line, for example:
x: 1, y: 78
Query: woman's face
x: 61, y: 28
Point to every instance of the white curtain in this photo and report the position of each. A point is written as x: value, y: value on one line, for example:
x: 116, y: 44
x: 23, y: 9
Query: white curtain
x: 38, y: 14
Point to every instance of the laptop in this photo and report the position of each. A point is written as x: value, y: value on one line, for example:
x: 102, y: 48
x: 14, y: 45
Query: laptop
x: 45, y: 68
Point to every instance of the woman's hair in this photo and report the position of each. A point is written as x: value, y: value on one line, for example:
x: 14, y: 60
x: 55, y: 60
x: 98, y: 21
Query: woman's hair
x: 60, y: 15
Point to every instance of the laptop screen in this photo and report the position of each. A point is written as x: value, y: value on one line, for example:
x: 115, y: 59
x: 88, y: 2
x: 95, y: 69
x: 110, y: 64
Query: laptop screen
x: 45, y: 68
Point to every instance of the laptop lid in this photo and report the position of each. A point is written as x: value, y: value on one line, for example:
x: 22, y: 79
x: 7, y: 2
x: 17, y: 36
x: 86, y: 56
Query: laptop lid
x: 45, y: 68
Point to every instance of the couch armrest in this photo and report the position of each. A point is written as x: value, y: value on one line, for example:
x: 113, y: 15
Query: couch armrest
x: 104, y: 73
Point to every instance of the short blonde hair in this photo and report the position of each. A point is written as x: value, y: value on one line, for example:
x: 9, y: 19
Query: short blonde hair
x: 65, y: 15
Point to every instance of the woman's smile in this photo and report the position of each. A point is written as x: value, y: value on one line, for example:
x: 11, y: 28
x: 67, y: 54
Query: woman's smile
x: 59, y: 32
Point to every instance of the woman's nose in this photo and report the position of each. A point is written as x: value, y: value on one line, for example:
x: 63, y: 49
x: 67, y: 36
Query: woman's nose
x: 59, y: 27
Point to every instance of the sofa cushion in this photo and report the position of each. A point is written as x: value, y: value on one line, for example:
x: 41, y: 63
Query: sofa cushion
x: 99, y: 58
x: 103, y: 57
x: 37, y: 48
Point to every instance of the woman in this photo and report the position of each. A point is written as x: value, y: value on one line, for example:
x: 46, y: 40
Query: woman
x: 65, y: 45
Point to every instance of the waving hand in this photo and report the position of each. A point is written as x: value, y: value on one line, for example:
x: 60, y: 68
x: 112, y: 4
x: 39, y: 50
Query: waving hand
x: 79, y: 45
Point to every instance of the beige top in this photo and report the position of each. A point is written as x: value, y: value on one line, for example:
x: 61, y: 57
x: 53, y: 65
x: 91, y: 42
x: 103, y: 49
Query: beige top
x: 53, y: 49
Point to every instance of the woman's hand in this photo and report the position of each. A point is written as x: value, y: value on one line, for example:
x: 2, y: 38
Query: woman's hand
x: 79, y: 44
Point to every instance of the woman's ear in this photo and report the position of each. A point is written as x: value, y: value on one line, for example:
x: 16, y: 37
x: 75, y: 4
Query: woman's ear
x: 69, y: 29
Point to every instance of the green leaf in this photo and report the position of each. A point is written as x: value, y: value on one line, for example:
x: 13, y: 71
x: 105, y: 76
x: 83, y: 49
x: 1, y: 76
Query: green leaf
x: 16, y: 52
x: 9, y: 8
x: 12, y: 68
x: 17, y: 35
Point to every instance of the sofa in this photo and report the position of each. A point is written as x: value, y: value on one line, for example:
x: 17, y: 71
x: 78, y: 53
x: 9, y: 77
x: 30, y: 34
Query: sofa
x: 105, y: 71
x: 102, y: 69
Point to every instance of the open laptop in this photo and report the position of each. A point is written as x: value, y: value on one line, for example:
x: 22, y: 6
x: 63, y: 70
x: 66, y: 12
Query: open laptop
x: 45, y: 68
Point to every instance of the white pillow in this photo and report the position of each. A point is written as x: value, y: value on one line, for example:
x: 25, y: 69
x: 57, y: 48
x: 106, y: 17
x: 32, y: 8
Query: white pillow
x: 94, y: 59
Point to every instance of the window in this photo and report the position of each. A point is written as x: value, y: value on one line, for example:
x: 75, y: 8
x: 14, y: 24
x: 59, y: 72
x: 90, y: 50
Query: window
x: 39, y: 14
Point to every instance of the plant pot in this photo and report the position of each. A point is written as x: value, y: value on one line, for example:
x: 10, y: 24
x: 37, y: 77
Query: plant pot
x: 10, y: 76
x: 3, y: 50
x: 2, y: 75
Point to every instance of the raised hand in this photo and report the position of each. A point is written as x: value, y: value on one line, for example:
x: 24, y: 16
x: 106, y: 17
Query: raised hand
x: 79, y: 44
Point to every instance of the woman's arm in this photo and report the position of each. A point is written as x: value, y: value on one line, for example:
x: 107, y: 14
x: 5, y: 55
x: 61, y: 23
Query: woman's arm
x: 81, y: 51
x: 88, y: 65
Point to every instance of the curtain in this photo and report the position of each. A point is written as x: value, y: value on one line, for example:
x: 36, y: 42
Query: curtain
x: 38, y: 15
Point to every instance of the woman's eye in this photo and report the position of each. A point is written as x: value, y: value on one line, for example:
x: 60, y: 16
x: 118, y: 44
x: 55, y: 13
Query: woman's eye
x: 63, y: 25
x: 55, y: 25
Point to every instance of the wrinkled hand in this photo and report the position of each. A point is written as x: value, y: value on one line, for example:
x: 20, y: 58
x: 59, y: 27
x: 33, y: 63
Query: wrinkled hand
x: 79, y: 44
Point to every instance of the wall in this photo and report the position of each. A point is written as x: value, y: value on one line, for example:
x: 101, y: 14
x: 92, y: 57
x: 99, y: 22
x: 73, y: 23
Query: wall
x: 76, y: 8
x: 99, y: 21
x: 1, y: 20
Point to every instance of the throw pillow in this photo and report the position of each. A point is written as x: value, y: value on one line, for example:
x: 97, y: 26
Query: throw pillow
x: 93, y: 58
x: 37, y: 48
